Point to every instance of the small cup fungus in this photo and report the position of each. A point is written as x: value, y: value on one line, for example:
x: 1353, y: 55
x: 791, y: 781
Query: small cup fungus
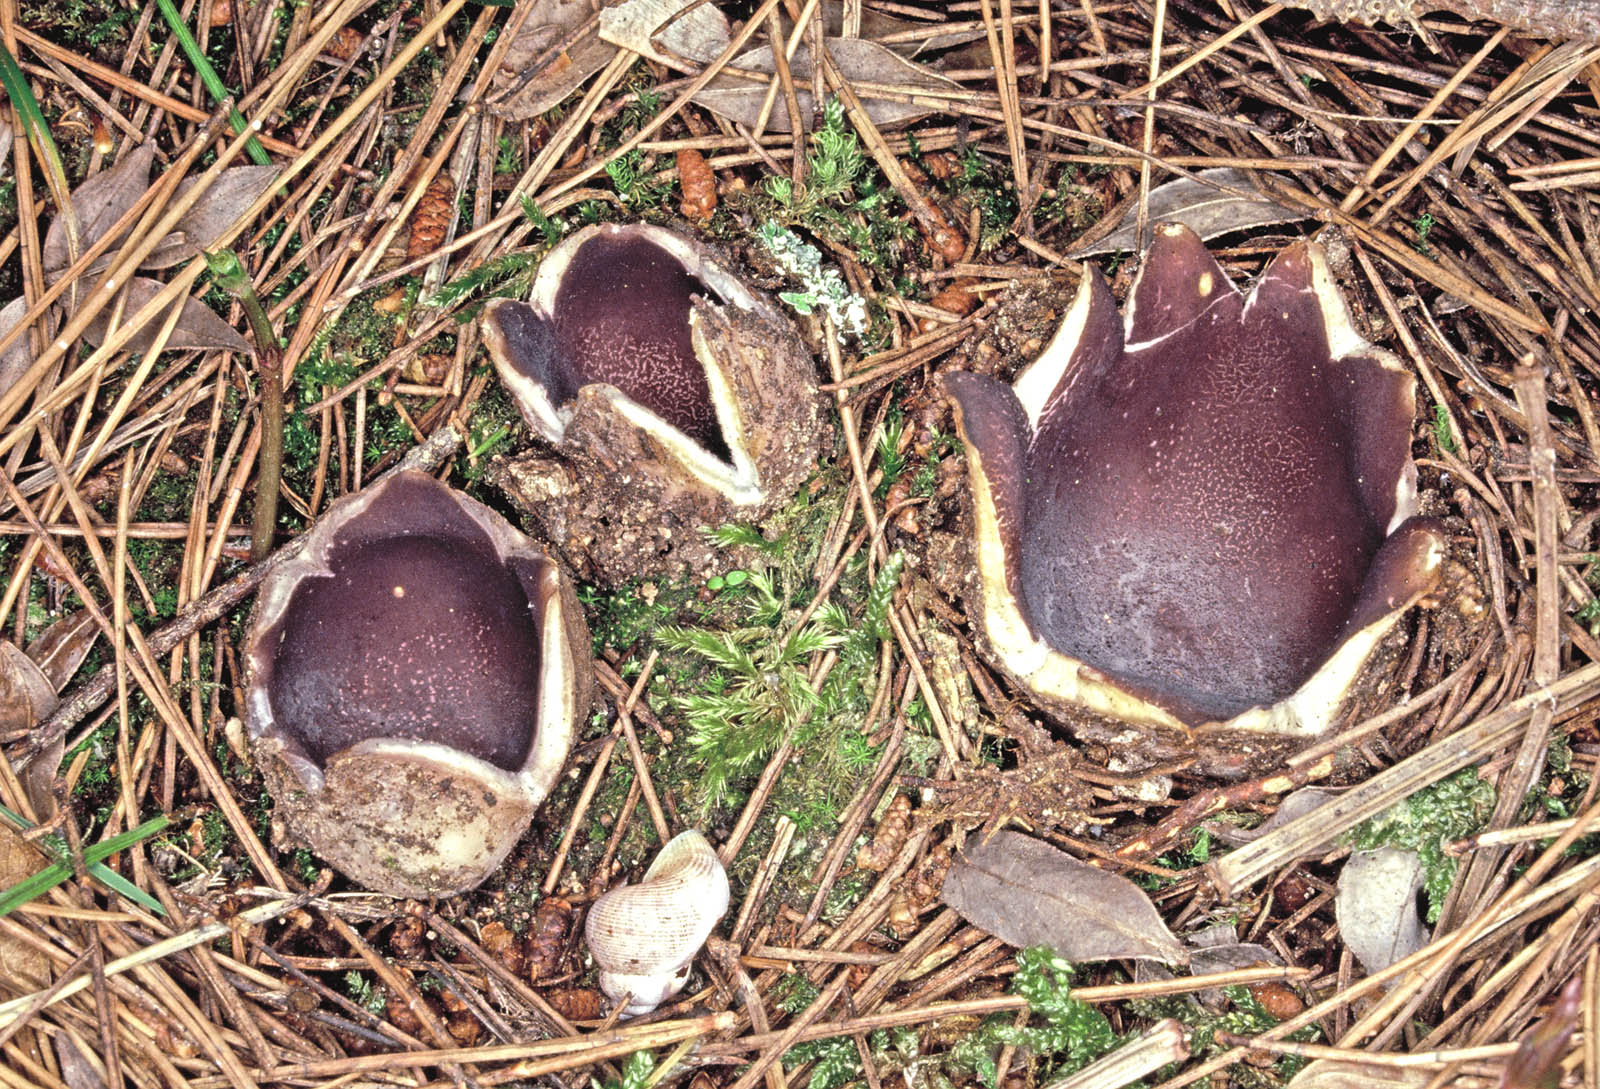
x: 674, y: 396
x: 416, y: 673
x: 1193, y: 529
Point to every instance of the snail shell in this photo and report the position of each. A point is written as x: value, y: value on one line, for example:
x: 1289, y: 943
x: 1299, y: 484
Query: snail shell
x: 644, y: 937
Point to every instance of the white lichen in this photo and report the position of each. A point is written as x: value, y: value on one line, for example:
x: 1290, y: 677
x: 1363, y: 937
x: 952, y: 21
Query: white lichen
x: 824, y: 288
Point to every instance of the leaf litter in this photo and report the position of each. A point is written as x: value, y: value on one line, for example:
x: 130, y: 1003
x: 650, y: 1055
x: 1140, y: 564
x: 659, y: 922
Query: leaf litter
x: 99, y: 203
x: 1026, y: 893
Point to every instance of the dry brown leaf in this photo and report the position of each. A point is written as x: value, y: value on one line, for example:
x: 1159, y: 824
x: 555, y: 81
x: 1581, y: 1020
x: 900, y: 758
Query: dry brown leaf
x: 528, y: 82
x: 57, y: 653
x: 62, y: 647
x: 1202, y: 207
x: 197, y: 326
x: 26, y: 694
x: 700, y: 34
x: 859, y: 61
x: 234, y: 190
x: 99, y: 202
x: 1026, y: 892
x: 23, y: 969
x: 1376, y: 906
x: 15, y: 360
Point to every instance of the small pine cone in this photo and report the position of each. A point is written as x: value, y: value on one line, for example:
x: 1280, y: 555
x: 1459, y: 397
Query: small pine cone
x: 346, y: 43
x: 430, y: 219
x: 547, y: 937
x: 942, y: 237
x: 698, y: 183
x: 889, y: 836
x: 577, y: 1003
x: 504, y: 947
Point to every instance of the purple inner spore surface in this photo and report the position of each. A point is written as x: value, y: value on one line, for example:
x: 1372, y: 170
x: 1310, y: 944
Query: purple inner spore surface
x: 622, y: 316
x: 418, y: 637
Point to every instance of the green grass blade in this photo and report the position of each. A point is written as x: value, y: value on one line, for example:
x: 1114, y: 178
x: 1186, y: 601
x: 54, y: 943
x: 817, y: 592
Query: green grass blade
x: 32, y: 888
x: 38, y: 131
x: 208, y: 76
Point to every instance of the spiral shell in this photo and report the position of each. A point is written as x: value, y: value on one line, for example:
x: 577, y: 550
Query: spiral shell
x: 644, y: 937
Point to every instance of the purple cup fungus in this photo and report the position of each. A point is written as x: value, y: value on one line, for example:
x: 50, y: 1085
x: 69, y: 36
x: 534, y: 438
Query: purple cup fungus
x: 673, y: 395
x: 1192, y: 529
x: 416, y: 675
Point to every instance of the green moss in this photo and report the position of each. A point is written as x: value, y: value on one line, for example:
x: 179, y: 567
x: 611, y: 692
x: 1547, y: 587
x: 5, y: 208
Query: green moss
x: 844, y: 199
x: 1425, y: 822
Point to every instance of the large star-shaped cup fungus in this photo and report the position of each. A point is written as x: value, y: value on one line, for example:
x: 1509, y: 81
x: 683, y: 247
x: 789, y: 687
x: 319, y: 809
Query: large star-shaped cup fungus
x: 1193, y: 528
x: 416, y: 673
x: 674, y: 395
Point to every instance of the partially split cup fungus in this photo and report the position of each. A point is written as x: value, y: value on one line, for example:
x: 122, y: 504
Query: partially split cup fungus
x: 416, y: 673
x: 1193, y: 528
x: 674, y: 397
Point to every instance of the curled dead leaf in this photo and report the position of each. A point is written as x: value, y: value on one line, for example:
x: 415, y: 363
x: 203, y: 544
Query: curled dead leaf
x: 1025, y: 892
x: 1202, y: 204
x: 859, y: 61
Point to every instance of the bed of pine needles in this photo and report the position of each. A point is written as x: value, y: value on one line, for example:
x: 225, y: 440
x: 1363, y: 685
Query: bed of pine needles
x: 1460, y: 172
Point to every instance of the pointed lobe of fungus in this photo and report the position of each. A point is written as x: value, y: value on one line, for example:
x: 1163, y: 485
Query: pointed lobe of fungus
x: 1201, y: 507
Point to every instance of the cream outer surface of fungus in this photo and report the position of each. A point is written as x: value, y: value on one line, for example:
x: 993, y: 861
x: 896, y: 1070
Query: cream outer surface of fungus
x: 672, y: 395
x: 416, y: 674
x: 1194, y: 526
